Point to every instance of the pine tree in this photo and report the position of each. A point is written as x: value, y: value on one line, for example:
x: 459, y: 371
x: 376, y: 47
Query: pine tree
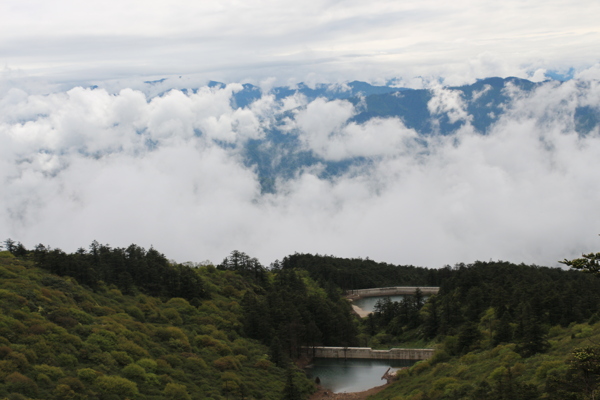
x: 533, y: 339
x: 431, y: 321
x: 467, y: 337
x: 278, y: 356
x: 503, y: 332
x: 290, y: 391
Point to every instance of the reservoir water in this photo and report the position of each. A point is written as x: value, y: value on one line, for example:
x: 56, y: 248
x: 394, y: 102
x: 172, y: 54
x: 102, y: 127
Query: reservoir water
x: 368, y: 303
x: 352, y: 375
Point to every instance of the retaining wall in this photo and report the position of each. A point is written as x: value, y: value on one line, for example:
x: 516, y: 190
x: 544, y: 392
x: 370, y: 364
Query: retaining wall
x: 368, y: 353
x: 392, y: 291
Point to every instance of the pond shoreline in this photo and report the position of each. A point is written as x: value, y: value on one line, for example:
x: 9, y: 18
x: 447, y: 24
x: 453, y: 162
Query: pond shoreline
x: 322, y: 394
x: 360, y: 312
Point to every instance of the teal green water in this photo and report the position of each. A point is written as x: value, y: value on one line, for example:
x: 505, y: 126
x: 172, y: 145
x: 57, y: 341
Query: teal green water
x: 340, y: 375
x: 368, y: 303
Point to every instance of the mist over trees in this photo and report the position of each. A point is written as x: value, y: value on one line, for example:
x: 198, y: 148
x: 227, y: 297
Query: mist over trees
x: 391, y: 173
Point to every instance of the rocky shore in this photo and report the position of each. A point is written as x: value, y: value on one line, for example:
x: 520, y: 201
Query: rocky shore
x: 325, y: 394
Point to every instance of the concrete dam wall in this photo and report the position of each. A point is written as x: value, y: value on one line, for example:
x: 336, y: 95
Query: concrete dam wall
x: 392, y: 291
x: 368, y: 353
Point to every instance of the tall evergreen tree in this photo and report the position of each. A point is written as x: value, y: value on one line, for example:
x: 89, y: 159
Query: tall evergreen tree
x: 532, y: 335
x: 503, y: 332
x: 290, y: 391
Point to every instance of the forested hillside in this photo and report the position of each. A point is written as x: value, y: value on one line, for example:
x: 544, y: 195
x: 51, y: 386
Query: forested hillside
x: 502, y: 331
x: 357, y: 273
x: 127, y: 323
x: 567, y: 370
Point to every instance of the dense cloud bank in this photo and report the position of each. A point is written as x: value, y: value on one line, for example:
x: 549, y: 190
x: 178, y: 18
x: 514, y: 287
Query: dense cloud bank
x: 170, y: 171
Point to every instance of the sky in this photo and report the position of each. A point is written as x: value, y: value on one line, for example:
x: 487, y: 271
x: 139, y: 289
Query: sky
x: 121, y: 165
x: 72, y: 42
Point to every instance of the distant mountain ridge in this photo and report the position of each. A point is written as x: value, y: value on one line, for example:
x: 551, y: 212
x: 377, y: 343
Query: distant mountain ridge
x: 483, y: 98
x: 486, y: 101
x: 280, y: 154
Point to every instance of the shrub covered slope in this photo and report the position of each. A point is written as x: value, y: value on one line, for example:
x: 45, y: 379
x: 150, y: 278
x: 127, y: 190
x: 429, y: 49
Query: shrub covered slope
x: 63, y: 340
x: 110, y: 323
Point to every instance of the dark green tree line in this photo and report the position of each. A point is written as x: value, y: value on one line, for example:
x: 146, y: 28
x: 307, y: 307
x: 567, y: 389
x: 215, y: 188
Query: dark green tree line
x: 127, y: 268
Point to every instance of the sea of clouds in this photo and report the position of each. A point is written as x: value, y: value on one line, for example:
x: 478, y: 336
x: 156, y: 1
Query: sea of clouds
x: 167, y: 171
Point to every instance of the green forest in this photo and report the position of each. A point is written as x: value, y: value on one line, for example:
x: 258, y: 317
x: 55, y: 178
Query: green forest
x: 127, y: 323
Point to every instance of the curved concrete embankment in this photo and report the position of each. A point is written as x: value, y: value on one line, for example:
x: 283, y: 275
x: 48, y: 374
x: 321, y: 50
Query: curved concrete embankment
x: 392, y: 291
x: 361, y: 313
x: 369, y: 353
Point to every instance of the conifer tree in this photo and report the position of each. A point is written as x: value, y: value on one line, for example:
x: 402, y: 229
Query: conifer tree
x: 533, y: 335
x: 290, y: 391
x: 503, y: 333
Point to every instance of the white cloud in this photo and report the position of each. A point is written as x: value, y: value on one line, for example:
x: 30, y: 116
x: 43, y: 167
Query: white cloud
x: 448, y: 102
x: 591, y: 73
x: 320, y: 121
x: 78, y: 165
x: 477, y: 94
x: 539, y: 75
x: 325, y: 128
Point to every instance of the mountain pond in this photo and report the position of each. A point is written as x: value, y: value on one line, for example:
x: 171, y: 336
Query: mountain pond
x: 352, y: 375
x: 355, y: 375
x: 368, y: 303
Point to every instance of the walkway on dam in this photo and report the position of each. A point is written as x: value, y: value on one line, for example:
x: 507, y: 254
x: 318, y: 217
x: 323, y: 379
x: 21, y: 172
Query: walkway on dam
x: 368, y: 353
x: 391, y: 291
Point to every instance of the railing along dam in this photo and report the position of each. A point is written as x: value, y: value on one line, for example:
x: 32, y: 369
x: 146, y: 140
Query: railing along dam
x: 368, y: 353
x: 391, y: 291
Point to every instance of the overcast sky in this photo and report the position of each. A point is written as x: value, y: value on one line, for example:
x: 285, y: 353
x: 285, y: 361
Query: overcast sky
x: 72, y: 41
x: 121, y: 166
